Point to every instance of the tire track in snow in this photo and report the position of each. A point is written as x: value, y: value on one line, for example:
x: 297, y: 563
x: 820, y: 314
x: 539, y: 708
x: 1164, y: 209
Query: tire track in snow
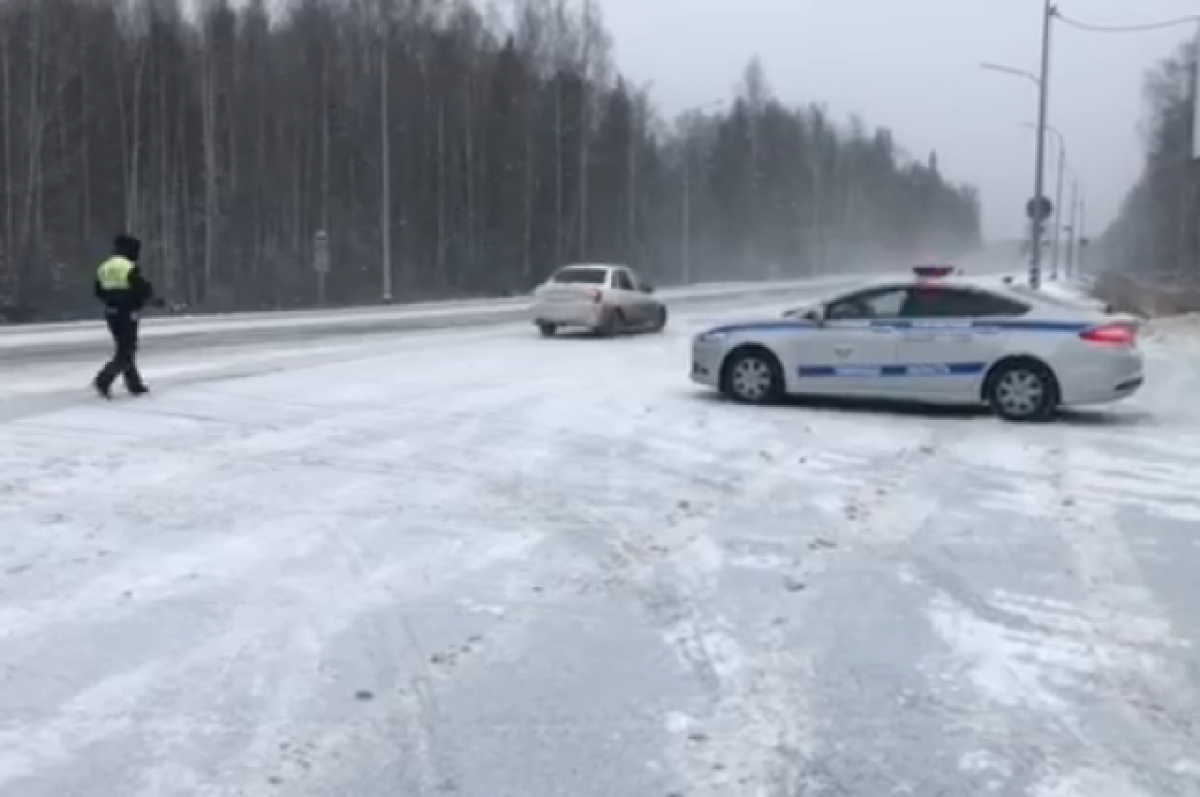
x: 1084, y: 682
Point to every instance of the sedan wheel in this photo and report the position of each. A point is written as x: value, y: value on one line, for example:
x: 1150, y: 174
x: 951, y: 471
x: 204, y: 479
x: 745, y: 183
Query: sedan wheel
x: 1023, y: 392
x: 660, y: 320
x: 754, y: 377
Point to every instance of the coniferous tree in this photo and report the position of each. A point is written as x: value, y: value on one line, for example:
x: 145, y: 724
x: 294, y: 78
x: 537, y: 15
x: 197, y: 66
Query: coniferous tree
x: 227, y: 135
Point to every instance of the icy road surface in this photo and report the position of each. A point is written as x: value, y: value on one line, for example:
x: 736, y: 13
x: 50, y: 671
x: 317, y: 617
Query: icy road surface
x: 488, y: 565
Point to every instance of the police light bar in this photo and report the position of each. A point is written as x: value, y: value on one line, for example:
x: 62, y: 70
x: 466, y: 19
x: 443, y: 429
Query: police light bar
x: 933, y: 272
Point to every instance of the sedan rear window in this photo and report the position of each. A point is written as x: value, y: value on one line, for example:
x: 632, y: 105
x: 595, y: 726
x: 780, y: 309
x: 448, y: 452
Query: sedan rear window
x: 576, y: 275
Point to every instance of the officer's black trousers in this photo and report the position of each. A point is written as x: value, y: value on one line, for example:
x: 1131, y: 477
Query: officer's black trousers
x: 124, y: 330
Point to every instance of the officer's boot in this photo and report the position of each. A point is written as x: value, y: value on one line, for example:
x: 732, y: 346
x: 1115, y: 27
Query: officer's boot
x: 103, y: 386
x: 134, y: 383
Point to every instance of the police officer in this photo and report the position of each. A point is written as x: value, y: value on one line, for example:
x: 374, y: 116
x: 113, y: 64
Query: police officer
x: 124, y: 292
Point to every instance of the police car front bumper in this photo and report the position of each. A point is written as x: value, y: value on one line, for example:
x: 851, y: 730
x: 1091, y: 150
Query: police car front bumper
x: 706, y: 362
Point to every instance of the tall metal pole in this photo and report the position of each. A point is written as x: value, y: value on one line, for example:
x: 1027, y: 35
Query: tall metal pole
x: 1084, y: 243
x: 1039, y: 172
x: 1058, y: 206
x: 685, y: 235
x: 1073, y: 231
x: 1059, y: 209
x: 385, y: 208
x: 685, y: 242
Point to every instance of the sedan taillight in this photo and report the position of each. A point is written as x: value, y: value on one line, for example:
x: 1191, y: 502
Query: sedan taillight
x: 1111, y: 335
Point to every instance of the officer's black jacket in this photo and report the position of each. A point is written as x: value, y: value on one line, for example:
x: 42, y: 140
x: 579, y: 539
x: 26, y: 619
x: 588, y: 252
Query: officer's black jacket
x: 127, y: 300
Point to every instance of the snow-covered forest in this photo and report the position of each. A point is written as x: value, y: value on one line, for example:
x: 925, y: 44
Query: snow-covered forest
x: 465, y: 151
x: 1156, y: 238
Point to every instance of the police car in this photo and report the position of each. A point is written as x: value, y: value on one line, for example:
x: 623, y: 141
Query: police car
x: 942, y: 341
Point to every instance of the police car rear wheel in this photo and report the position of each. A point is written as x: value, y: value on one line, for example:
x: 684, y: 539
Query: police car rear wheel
x: 753, y: 376
x: 1023, y: 391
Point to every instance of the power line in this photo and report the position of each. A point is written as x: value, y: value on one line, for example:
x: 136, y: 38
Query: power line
x: 1150, y: 26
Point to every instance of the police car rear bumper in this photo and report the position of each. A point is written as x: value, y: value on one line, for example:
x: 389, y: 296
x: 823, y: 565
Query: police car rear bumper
x: 1104, y: 378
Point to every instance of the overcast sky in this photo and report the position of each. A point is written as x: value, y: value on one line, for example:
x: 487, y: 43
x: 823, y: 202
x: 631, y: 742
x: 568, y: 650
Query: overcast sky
x: 912, y: 65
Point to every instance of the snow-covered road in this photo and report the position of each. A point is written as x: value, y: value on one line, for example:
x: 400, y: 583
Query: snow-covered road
x: 482, y: 564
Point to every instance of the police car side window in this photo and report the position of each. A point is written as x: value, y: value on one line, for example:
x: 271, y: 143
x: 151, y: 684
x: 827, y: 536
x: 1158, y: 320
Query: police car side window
x: 990, y: 305
x: 621, y: 280
x: 957, y: 303
x: 877, y: 303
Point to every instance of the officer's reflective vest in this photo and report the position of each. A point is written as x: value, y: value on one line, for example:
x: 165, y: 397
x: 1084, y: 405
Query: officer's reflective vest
x: 113, y: 274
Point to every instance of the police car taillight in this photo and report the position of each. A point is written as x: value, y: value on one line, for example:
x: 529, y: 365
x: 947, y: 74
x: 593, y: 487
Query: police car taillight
x: 1111, y: 335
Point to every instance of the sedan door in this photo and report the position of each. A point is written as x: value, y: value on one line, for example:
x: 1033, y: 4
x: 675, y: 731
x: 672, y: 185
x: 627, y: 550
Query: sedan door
x: 852, y: 350
x: 626, y: 296
x: 645, y: 302
x: 946, y: 346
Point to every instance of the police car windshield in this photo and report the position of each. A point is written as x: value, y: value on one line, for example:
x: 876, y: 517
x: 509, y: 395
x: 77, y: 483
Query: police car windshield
x: 576, y: 275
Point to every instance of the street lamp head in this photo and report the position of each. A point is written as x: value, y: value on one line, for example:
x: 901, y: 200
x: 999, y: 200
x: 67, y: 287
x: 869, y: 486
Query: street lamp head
x: 1011, y: 70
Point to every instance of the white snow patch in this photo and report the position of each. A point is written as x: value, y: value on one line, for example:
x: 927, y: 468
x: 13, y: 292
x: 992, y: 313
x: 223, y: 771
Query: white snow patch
x: 1012, y: 669
x: 1089, y: 783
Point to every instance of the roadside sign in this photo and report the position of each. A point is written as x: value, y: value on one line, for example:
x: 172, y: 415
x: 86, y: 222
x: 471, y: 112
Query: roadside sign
x: 1039, y: 209
x: 321, y: 252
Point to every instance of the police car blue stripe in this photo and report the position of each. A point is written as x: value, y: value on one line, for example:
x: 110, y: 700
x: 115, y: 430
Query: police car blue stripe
x: 872, y: 371
x: 979, y: 325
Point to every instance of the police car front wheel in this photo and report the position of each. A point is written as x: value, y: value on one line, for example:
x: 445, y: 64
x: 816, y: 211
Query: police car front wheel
x: 1023, y: 390
x: 753, y: 376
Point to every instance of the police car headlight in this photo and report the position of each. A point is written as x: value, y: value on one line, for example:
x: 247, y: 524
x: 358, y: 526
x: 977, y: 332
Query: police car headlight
x: 712, y: 337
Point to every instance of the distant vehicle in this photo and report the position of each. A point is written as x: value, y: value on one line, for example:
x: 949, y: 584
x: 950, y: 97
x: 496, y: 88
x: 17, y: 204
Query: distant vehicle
x: 605, y: 298
x: 944, y: 342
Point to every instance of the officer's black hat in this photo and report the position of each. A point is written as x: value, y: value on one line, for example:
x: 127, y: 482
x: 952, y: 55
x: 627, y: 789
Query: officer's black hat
x: 127, y: 246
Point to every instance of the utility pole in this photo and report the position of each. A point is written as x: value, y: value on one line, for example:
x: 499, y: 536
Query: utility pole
x: 685, y: 223
x: 385, y: 206
x: 685, y: 241
x: 1039, y: 171
x: 1058, y: 210
x: 1073, y: 231
x: 1058, y: 205
x: 1084, y: 243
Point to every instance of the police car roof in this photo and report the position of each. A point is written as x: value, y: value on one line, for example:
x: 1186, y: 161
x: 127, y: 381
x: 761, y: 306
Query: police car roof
x: 952, y: 281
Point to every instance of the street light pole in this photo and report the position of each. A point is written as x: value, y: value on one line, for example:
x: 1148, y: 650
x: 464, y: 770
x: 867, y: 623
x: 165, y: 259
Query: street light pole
x: 1073, y: 230
x: 685, y: 242
x: 1058, y: 210
x: 1039, y: 171
x: 385, y: 205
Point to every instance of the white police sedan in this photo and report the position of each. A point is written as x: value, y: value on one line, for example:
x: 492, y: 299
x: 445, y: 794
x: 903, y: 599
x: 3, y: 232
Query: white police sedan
x: 943, y: 341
